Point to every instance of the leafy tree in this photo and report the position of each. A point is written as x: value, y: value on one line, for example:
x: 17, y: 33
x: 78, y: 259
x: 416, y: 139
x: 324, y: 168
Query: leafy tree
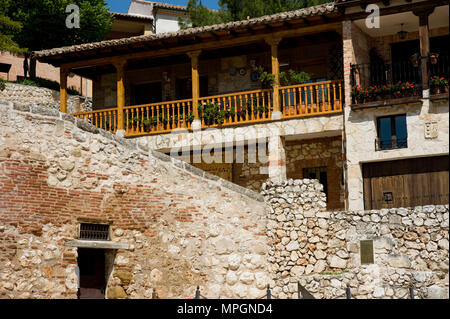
x: 236, y: 10
x: 200, y: 16
x: 44, y: 23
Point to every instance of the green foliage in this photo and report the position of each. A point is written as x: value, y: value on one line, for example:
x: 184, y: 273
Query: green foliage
x: 8, y: 28
x: 294, y: 78
x: 40, y: 82
x: 44, y: 22
x: 2, y: 84
x: 267, y: 79
x: 236, y: 10
x: 240, y: 10
x: 200, y: 16
x: 211, y: 113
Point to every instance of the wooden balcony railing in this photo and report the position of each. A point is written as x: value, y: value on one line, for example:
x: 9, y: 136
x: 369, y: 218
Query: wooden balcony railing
x: 319, y: 98
x: 105, y: 119
x: 158, y: 118
x: 236, y: 108
x: 311, y: 99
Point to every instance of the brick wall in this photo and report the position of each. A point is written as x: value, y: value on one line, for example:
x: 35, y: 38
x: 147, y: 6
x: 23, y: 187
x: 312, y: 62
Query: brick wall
x: 43, y: 70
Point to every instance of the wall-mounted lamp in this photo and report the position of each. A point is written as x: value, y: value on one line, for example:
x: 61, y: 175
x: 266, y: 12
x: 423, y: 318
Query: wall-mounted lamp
x: 402, y: 34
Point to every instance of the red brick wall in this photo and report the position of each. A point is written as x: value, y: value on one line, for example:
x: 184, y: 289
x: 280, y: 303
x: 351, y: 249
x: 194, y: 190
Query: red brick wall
x: 43, y: 70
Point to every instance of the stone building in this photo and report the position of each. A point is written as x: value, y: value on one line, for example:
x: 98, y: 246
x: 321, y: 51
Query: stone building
x: 184, y: 134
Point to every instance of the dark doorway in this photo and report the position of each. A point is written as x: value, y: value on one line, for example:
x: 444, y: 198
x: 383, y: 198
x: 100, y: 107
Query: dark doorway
x: 148, y: 93
x: 92, y: 273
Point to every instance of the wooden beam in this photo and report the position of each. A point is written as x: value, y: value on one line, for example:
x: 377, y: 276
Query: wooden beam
x: 120, y: 67
x: 210, y: 45
x: 274, y: 42
x: 399, y: 9
x: 424, y: 38
x: 194, y: 55
x: 63, y: 73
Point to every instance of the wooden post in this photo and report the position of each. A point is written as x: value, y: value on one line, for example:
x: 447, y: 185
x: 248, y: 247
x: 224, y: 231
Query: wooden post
x: 63, y: 73
x: 194, y: 55
x: 120, y: 67
x: 273, y: 42
x: 424, y: 38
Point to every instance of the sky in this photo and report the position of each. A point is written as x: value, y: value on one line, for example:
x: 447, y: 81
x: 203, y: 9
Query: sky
x: 122, y: 5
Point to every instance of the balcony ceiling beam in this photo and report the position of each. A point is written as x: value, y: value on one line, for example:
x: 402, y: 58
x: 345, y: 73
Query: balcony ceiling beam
x: 207, y: 45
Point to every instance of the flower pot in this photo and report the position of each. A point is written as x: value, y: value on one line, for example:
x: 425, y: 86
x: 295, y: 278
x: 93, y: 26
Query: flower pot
x: 301, y: 108
x: 398, y: 94
x: 337, y: 105
x: 437, y: 90
x: 415, y: 62
x: 433, y: 59
x: 291, y: 110
x: 446, y: 89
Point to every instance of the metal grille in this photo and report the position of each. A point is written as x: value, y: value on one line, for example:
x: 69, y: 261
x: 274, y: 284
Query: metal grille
x: 94, y: 232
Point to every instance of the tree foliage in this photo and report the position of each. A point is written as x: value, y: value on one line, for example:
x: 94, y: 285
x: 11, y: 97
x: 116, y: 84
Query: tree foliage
x: 8, y: 28
x: 236, y: 10
x: 44, y: 22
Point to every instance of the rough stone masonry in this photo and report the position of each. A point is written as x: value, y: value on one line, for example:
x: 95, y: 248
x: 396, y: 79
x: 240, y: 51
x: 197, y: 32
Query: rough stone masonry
x: 184, y: 227
x: 321, y: 250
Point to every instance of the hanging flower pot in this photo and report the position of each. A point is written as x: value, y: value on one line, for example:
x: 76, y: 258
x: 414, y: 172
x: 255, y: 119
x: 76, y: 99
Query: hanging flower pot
x: 415, y: 60
x: 434, y: 58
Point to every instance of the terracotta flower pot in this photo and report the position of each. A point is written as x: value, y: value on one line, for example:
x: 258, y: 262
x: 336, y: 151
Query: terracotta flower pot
x: 446, y: 89
x: 437, y: 90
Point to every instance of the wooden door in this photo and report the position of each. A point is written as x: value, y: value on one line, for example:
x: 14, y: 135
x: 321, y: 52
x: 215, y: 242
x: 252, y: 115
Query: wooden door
x: 406, y: 183
x: 92, y: 273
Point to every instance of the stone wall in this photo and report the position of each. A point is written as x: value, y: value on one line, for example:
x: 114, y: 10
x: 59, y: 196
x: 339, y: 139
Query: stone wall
x: 182, y: 226
x: 26, y: 94
x: 321, y: 249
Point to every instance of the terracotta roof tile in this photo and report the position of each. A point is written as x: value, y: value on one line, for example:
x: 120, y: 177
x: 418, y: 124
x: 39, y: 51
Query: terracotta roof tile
x: 279, y: 17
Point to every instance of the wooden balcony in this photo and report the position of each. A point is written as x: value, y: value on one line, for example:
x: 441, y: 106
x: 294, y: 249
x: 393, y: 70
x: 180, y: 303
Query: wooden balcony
x: 243, y: 108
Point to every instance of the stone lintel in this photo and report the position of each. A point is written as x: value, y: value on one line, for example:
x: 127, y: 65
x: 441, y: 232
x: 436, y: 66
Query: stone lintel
x: 98, y: 244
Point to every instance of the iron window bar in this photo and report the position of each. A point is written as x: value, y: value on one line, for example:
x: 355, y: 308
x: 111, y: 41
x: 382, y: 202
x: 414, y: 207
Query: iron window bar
x: 392, y: 144
x: 94, y: 232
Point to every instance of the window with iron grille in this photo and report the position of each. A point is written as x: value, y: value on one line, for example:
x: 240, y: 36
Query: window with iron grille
x: 94, y: 231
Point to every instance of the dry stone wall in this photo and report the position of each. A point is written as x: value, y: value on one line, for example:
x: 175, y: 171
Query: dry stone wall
x: 321, y: 249
x: 26, y: 94
x: 183, y: 226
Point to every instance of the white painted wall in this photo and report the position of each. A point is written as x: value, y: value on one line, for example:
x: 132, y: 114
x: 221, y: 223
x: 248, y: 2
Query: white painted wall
x: 166, y: 23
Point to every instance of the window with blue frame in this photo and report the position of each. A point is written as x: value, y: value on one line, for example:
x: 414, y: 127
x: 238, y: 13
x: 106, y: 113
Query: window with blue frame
x: 392, y: 132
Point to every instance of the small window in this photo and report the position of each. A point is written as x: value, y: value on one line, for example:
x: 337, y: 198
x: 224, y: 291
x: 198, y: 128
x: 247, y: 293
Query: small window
x: 94, y: 232
x: 392, y: 132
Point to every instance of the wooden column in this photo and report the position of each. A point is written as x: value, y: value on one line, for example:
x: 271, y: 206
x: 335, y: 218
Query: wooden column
x: 424, y: 37
x: 194, y: 55
x: 273, y: 42
x: 120, y: 67
x: 63, y: 73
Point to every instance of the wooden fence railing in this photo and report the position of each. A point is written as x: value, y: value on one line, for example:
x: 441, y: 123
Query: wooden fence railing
x: 223, y: 110
x: 311, y: 99
x: 105, y: 119
x: 236, y: 108
x: 158, y: 118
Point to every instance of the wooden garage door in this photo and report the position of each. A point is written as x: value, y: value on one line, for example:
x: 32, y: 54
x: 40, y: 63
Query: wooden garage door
x: 406, y: 183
